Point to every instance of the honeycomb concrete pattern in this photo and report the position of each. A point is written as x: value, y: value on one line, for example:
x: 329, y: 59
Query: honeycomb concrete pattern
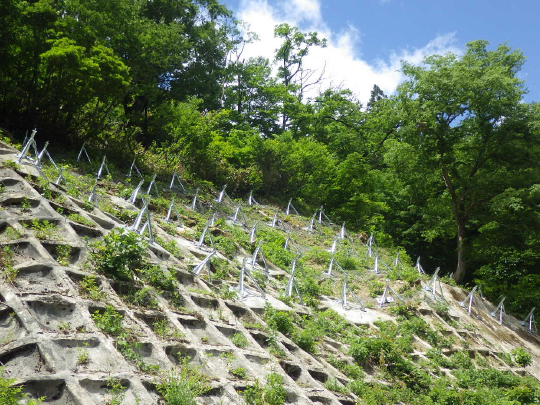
x: 45, y: 322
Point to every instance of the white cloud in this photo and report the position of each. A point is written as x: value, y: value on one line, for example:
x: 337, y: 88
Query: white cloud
x: 342, y: 56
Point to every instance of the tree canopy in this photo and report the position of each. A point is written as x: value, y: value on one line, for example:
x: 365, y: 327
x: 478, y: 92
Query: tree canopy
x: 446, y: 167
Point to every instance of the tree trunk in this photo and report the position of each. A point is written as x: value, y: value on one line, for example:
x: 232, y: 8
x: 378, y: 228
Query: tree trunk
x: 461, y: 269
x: 460, y: 272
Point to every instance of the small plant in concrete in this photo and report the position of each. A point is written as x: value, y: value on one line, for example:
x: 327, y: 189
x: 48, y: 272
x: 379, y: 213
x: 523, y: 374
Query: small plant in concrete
x: 332, y: 385
x: 26, y: 204
x: 44, y: 230
x: 239, y: 372
x: 9, y: 273
x: 119, y: 254
x: 89, y: 288
x: 227, y: 356
x: 12, y: 234
x: 116, y: 390
x: 64, y: 327
x: 239, y: 340
x: 64, y: 254
x: 158, y: 278
x: 144, y: 298
x: 82, y: 355
x: 182, y: 385
x: 10, y: 164
x: 111, y: 322
x: 521, y: 357
x: 79, y: 219
x: 272, y: 393
x: 164, y: 330
x: 11, y: 394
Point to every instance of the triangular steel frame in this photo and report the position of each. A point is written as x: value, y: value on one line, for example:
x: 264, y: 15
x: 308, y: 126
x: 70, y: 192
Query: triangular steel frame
x: 134, y: 166
x: 205, y: 263
x: 530, y: 323
x: 92, y: 198
x: 238, y: 212
x: 290, y: 208
x: 253, y: 233
x: 344, y: 289
x: 170, y: 210
x: 290, y: 242
x: 292, y: 286
x: 385, y: 298
x: 313, y: 223
x: 370, y: 242
x: 322, y: 216
x: 342, y: 232
x: 195, y: 200
x: 153, y: 183
x: 133, y: 198
x: 212, y: 220
x: 435, y: 286
x: 60, y: 178
x: 171, y: 185
x: 200, y: 242
x: 375, y: 268
x: 469, y: 302
x: 251, y: 200
x: 29, y: 143
x: 259, y: 253
x: 101, y: 167
x: 144, y: 213
x: 242, y: 291
x: 83, y: 149
x: 222, y: 195
x: 499, y: 312
x: 419, y: 267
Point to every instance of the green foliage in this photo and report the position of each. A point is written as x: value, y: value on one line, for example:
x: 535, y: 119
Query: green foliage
x: 305, y: 339
x: 280, y: 321
x: 118, y: 254
x: 12, y: 234
x: 80, y: 219
x: 9, y: 272
x: 142, y: 297
x: 157, y: 277
x: 521, y: 357
x: 63, y: 254
x: 225, y: 245
x: 239, y: 340
x: 353, y: 371
x: 239, y: 372
x: 10, y: 395
x: 43, y: 229
x: 272, y: 393
x: 111, y: 322
x: 182, y: 385
x: 90, y: 288
x: 10, y: 164
x: 116, y: 390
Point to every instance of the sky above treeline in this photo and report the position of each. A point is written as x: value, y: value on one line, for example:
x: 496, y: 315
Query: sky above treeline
x: 367, y: 39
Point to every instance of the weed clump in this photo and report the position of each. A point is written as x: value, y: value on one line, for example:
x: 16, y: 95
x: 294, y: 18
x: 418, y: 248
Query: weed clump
x: 182, y: 385
x: 118, y: 254
x: 272, y: 393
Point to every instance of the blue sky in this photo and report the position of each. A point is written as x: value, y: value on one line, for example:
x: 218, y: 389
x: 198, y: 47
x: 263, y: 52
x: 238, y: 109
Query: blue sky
x: 368, y: 38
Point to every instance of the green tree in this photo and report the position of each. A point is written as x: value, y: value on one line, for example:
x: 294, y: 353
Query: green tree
x: 463, y: 117
x: 289, y: 58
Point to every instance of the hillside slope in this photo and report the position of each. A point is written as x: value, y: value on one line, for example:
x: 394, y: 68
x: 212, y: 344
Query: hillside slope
x: 93, y: 313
